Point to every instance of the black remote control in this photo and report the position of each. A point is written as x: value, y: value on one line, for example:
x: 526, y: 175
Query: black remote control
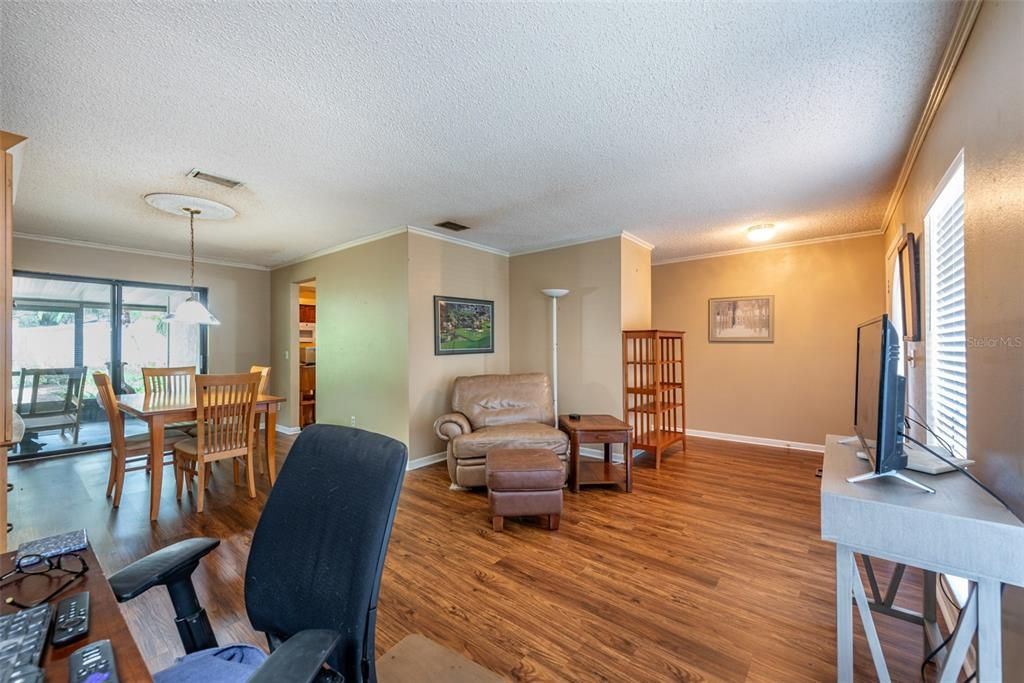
x: 72, y: 619
x: 94, y: 663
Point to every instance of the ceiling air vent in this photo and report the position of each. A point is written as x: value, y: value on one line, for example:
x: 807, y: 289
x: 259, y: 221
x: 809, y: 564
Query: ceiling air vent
x: 215, y: 179
x: 451, y: 225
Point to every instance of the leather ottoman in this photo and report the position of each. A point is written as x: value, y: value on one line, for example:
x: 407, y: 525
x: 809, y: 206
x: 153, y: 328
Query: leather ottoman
x: 524, y: 482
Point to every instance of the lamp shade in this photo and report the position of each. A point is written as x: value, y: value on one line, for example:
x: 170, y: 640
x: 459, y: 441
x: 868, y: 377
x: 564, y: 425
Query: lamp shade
x: 191, y: 312
x: 554, y: 293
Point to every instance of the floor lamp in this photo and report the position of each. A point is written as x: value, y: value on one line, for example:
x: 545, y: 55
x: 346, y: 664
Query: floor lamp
x: 555, y: 295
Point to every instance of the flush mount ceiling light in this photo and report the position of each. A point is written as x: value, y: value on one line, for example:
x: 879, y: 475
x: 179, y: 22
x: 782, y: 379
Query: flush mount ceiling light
x: 191, y: 310
x: 761, y: 233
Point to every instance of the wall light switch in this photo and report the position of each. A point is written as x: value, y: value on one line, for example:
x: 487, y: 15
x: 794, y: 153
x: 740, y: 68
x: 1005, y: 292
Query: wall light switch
x: 286, y: 354
x: 353, y: 420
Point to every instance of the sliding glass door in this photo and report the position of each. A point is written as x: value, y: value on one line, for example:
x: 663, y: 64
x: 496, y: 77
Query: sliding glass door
x: 63, y: 332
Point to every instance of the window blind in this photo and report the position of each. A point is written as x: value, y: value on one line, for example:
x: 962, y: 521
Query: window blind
x: 946, y: 363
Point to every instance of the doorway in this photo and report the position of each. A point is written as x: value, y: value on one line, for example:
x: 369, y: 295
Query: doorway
x: 307, y: 353
x: 65, y: 328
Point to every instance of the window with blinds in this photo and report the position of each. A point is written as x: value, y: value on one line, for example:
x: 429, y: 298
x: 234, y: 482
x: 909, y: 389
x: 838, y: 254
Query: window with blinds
x: 946, y: 362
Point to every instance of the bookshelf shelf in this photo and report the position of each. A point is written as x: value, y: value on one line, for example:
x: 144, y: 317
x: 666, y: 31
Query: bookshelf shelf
x: 653, y: 401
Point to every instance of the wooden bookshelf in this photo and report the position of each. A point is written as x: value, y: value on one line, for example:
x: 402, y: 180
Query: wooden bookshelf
x: 654, y: 396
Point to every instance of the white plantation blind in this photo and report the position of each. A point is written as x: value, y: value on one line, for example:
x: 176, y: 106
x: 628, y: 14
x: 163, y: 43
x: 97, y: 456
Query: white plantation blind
x: 946, y: 362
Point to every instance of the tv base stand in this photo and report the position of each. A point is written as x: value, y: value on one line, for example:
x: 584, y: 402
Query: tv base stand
x: 891, y: 473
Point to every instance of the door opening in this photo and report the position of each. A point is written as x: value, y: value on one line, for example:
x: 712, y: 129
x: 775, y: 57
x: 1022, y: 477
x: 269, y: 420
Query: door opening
x: 307, y: 353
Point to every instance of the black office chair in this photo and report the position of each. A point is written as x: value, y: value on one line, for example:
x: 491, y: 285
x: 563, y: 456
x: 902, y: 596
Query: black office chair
x: 315, y: 564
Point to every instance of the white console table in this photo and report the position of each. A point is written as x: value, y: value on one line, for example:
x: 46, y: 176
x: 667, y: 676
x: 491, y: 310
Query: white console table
x: 959, y: 530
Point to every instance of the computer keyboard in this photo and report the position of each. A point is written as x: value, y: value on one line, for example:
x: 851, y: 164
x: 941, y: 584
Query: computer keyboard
x: 23, y: 635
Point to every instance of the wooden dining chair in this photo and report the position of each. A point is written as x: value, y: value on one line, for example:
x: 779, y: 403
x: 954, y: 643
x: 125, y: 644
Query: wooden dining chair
x: 264, y: 371
x: 125, y: 450
x: 173, y: 383
x: 225, y: 411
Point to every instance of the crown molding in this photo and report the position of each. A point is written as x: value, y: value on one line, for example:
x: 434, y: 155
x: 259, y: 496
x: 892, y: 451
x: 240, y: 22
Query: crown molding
x: 455, y: 240
x: 132, y: 250
x: 950, y: 58
x: 771, y: 247
x: 638, y: 241
x: 571, y: 243
x: 343, y: 246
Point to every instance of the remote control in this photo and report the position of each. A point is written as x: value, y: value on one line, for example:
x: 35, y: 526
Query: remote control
x: 93, y: 663
x: 72, y: 619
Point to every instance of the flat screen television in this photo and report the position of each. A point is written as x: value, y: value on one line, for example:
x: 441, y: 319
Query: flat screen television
x: 879, y: 395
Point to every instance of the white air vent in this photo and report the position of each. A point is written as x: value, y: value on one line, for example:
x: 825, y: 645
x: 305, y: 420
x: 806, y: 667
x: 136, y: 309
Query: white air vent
x: 215, y: 179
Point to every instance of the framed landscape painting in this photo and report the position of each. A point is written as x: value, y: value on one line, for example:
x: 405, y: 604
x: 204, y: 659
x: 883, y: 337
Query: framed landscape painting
x: 741, y: 319
x: 463, y: 326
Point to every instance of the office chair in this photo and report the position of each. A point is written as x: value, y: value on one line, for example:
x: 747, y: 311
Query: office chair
x: 315, y: 563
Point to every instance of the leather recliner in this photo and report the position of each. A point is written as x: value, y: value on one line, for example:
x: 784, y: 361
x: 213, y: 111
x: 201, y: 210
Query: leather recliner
x: 497, y: 411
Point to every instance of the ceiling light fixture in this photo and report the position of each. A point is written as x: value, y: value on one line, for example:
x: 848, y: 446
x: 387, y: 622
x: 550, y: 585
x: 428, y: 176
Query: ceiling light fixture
x: 761, y: 233
x: 191, y: 310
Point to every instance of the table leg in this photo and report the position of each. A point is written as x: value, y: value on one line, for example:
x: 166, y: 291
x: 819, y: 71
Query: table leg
x: 868, y: 622
x: 270, y: 443
x: 574, y: 462
x: 156, y: 464
x: 608, y: 452
x: 990, y: 631
x: 844, y: 614
x: 627, y: 454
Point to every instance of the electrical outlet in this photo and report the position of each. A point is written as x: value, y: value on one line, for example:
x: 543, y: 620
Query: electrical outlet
x: 286, y: 354
x: 353, y: 420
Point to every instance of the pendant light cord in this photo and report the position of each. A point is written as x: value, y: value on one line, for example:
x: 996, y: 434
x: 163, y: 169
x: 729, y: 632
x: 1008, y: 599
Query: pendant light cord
x: 192, y: 249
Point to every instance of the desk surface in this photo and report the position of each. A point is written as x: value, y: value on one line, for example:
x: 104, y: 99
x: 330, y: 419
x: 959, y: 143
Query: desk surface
x: 144, y: 405
x: 105, y: 620
x: 960, y: 529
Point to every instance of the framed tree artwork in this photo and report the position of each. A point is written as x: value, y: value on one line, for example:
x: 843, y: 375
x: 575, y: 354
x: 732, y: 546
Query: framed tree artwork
x: 741, y: 319
x: 463, y: 326
x: 910, y: 286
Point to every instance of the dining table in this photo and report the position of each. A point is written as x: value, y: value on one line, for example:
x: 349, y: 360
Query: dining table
x: 160, y: 409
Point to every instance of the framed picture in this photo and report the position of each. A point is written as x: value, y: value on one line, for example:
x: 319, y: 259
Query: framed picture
x: 910, y: 286
x: 463, y: 326
x: 741, y: 319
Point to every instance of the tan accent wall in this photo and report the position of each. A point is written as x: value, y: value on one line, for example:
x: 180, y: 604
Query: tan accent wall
x: 799, y: 388
x: 589, y: 322
x: 439, y: 267
x: 636, y: 286
x: 238, y: 296
x: 362, y: 336
x: 983, y: 114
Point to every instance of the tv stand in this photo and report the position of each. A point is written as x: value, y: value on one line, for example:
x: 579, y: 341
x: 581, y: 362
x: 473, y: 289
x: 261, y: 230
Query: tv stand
x: 891, y: 473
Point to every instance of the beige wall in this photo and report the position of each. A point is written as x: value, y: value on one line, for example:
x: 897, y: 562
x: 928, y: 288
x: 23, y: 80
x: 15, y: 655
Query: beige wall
x: 983, y: 114
x: 636, y: 286
x: 589, y: 322
x: 238, y: 296
x: 799, y: 388
x: 439, y: 267
x: 362, y: 336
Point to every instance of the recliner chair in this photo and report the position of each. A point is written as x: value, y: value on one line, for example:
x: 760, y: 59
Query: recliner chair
x: 315, y: 563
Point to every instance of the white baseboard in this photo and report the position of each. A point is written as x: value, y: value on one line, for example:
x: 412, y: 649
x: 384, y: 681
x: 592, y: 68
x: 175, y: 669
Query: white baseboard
x: 758, y: 440
x: 426, y: 460
x: 285, y: 429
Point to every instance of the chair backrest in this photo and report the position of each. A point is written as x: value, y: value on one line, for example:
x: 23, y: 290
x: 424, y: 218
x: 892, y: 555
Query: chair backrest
x: 69, y: 399
x: 490, y: 400
x: 108, y: 400
x: 318, y: 550
x: 225, y: 408
x: 264, y: 371
x: 170, y: 381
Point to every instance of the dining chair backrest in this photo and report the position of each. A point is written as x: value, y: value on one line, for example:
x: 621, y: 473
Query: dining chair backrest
x: 225, y: 408
x: 169, y: 381
x: 264, y: 371
x: 108, y: 399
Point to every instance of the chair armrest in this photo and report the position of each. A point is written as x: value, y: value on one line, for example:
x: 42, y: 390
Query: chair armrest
x: 299, y: 659
x: 164, y: 566
x: 449, y: 426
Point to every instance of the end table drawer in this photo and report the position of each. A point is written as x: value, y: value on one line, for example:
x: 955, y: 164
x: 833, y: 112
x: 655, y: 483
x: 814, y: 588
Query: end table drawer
x: 603, y: 437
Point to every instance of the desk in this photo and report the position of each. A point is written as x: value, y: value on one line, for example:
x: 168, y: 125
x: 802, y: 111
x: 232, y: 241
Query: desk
x: 105, y: 621
x: 959, y: 530
x: 603, y: 429
x: 158, y: 410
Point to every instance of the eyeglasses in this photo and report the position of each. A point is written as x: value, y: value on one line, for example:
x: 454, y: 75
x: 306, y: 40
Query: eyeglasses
x: 72, y: 565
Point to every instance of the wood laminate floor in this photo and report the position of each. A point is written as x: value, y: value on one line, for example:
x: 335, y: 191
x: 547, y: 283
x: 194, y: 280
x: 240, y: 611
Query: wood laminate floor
x: 711, y: 570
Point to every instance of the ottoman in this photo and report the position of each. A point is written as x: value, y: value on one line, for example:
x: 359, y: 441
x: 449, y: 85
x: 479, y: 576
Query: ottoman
x: 524, y: 482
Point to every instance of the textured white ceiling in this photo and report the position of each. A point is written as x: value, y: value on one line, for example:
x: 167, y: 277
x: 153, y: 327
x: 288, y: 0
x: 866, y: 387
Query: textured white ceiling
x: 536, y: 124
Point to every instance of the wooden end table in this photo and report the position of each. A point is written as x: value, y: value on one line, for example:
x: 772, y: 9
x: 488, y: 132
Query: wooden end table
x: 603, y: 429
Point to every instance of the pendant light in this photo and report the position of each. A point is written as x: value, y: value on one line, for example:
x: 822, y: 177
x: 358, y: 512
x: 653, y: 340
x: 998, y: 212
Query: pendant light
x: 191, y: 311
